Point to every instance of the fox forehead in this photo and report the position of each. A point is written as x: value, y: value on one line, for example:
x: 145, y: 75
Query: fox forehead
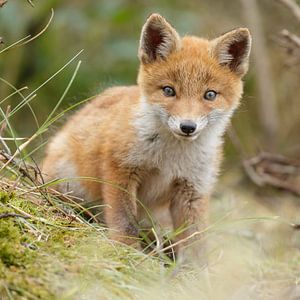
x: 190, y: 70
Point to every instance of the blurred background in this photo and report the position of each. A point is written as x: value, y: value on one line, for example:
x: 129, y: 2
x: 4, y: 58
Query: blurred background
x: 108, y: 31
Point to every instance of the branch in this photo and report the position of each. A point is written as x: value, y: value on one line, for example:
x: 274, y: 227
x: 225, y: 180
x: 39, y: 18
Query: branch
x: 291, y: 38
x: 291, y: 43
x: 275, y: 170
x: 293, y: 7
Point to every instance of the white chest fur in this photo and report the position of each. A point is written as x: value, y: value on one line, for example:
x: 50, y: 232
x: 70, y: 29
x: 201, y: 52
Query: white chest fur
x: 157, y: 148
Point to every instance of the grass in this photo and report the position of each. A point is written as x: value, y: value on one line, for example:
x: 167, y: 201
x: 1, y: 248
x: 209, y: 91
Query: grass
x: 53, y: 253
x: 49, y: 251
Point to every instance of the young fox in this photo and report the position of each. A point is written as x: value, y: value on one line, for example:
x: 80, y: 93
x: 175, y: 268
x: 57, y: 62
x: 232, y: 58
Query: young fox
x: 157, y: 144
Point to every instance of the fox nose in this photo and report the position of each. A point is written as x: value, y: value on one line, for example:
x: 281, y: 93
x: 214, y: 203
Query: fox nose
x: 188, y: 127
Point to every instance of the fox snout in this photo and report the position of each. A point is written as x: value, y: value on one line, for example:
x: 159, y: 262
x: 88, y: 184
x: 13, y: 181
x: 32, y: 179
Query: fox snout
x: 186, y: 128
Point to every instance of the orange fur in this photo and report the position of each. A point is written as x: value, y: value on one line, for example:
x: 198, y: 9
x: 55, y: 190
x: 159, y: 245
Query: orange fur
x: 129, y: 137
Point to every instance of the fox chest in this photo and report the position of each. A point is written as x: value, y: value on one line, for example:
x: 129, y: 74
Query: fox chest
x: 155, y: 187
x: 163, y: 162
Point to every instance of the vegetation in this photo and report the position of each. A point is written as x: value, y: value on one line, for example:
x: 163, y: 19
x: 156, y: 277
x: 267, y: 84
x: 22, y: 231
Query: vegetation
x: 50, y: 248
x: 49, y: 251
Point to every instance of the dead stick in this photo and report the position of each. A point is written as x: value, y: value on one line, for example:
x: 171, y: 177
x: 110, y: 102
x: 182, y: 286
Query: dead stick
x: 13, y: 215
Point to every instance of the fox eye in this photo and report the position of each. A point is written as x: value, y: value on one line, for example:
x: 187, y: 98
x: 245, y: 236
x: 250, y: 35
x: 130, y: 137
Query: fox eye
x: 210, y: 95
x: 169, y: 91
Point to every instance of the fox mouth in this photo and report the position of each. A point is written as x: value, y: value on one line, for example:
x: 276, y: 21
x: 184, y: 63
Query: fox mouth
x: 187, y: 137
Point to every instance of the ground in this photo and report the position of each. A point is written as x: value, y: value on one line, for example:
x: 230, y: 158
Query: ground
x: 51, y: 252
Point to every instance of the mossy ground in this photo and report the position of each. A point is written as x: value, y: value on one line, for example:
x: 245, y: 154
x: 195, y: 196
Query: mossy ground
x: 53, y: 253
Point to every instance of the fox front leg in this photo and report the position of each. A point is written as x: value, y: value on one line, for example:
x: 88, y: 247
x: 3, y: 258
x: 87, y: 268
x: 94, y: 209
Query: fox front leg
x: 189, y: 211
x: 121, y: 205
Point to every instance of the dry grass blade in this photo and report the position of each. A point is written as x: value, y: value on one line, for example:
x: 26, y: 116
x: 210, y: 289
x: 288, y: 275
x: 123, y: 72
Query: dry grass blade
x: 42, y: 31
x: 7, y: 159
x: 30, y: 2
x: 4, y: 124
x: 18, y: 151
x: 2, y: 129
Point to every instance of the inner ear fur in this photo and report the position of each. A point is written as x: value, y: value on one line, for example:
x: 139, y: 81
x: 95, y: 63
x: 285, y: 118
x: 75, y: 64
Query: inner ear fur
x: 158, y: 39
x: 233, y: 49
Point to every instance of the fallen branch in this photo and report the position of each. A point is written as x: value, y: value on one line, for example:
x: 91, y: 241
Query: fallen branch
x: 275, y: 170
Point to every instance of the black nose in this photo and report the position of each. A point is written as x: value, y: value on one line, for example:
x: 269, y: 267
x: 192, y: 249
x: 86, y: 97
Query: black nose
x: 188, y: 127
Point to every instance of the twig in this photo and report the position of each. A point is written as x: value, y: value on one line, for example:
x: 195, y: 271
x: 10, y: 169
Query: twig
x: 2, y: 2
x: 275, y: 170
x: 172, y: 245
x: 290, y: 37
x: 13, y: 215
x: 291, y: 42
x: 8, y: 159
x: 30, y: 2
x: 19, y: 150
x: 296, y: 226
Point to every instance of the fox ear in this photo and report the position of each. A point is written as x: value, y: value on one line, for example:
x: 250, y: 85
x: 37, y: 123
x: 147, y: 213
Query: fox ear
x: 158, y: 39
x: 233, y: 49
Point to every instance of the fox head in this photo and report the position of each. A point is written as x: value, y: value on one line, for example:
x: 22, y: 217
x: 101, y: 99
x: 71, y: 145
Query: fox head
x: 190, y: 82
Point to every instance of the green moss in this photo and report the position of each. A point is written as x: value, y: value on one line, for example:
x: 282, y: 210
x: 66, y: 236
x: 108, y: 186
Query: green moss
x: 42, y: 261
x: 6, y: 197
x: 9, y: 242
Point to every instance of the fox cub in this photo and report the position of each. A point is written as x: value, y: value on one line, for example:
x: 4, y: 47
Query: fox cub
x: 157, y: 145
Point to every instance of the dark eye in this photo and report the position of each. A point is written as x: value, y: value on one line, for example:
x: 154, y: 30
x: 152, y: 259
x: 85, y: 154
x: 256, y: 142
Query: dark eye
x: 210, y: 95
x: 169, y: 91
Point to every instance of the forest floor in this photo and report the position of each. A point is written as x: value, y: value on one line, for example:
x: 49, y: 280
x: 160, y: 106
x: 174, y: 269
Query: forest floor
x: 47, y: 251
